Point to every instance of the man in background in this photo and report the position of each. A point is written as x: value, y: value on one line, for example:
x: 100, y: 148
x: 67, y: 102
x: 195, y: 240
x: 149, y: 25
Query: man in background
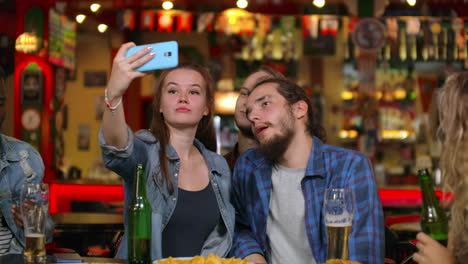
x: 278, y: 188
x: 19, y: 163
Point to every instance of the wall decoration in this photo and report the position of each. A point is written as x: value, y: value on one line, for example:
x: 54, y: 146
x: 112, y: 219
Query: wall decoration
x: 99, y: 106
x: 95, y: 78
x: 84, y: 132
x: 205, y: 22
x: 427, y: 85
x: 60, y: 83
x: 31, y: 87
x: 126, y: 19
x: 31, y: 100
x: 369, y: 35
x: 165, y: 21
x: 31, y: 119
x: 323, y: 45
x: 184, y: 22
x: 65, y: 116
x: 147, y: 19
x: 62, y: 40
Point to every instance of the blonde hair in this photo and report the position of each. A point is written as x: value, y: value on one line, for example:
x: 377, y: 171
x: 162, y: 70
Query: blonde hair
x: 452, y: 131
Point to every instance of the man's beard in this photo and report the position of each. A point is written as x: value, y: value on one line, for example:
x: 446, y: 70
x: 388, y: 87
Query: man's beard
x: 275, y: 147
x: 246, y: 131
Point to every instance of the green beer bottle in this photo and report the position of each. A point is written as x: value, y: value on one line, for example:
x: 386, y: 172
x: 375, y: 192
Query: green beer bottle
x: 139, y: 222
x: 433, y: 218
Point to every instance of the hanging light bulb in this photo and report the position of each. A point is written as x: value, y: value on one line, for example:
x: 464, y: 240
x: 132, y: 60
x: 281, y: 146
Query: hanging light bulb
x: 94, y: 7
x: 167, y: 5
x: 102, y: 28
x: 80, y: 18
x: 411, y: 2
x: 242, y: 3
x: 319, y: 3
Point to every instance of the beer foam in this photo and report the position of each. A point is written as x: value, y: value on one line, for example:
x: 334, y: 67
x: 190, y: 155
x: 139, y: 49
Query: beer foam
x: 339, y: 224
x: 344, y: 219
x: 35, y: 235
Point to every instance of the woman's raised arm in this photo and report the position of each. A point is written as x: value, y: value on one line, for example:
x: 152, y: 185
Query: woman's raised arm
x: 114, y: 126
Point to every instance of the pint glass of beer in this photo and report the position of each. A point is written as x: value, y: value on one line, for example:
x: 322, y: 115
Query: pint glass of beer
x: 338, y: 209
x: 34, y: 209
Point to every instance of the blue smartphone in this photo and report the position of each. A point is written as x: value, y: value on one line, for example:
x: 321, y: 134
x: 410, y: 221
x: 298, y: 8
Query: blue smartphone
x: 166, y: 56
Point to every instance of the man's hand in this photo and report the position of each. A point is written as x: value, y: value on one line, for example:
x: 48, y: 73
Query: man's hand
x: 15, y: 211
x: 431, y: 252
x: 256, y: 258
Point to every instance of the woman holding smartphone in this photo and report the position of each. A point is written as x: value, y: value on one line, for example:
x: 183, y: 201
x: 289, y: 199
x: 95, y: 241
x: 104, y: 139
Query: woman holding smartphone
x: 187, y: 183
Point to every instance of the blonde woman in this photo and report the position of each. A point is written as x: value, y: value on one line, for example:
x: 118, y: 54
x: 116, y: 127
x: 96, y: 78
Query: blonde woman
x: 453, y: 132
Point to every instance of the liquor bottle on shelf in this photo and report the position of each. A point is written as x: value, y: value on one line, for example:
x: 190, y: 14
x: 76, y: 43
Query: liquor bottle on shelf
x: 403, y: 52
x: 435, y: 43
x: 349, y: 49
x: 443, y: 45
x: 420, y: 48
x: 413, y: 48
x: 139, y: 221
x: 386, y: 51
x: 433, y: 218
x: 450, y: 44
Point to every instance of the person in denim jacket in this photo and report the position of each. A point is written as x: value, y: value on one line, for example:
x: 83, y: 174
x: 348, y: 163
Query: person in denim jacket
x: 19, y: 163
x: 187, y: 183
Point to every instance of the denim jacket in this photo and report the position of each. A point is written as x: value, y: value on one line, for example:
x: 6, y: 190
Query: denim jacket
x: 19, y: 164
x: 123, y: 162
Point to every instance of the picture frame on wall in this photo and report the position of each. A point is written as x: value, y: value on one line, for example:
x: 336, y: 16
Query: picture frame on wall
x: 32, y: 86
x: 95, y: 78
x: 84, y: 133
x: 99, y: 106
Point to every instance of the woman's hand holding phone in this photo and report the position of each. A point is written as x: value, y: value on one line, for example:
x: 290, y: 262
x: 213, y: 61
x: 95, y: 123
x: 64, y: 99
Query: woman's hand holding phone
x: 123, y: 69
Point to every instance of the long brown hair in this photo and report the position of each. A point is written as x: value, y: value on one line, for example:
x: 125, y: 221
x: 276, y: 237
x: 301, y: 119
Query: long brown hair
x: 453, y: 133
x: 294, y: 93
x: 205, y: 130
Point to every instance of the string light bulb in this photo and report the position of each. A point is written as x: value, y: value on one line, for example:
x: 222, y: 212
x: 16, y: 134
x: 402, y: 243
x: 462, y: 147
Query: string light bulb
x: 242, y: 3
x: 167, y: 5
x: 102, y: 28
x: 80, y: 18
x: 411, y: 2
x: 319, y: 3
x: 94, y: 7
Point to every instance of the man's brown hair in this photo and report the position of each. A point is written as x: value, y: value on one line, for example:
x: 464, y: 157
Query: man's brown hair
x: 293, y: 93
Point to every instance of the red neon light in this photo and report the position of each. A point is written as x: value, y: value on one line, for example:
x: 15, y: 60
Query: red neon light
x: 61, y: 195
x: 404, y: 198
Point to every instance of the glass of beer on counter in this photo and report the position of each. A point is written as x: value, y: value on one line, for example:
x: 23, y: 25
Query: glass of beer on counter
x: 338, y: 209
x: 34, y: 209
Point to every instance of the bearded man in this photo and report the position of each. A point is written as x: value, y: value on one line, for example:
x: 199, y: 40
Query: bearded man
x: 278, y: 189
x: 245, y: 137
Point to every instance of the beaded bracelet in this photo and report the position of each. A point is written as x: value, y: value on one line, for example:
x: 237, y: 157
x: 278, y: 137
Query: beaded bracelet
x: 109, y: 105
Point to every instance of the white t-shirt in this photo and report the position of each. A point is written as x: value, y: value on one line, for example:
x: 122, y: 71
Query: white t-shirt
x: 285, y: 224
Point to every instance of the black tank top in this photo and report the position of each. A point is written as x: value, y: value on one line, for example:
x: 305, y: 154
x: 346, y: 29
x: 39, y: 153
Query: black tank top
x: 194, y: 218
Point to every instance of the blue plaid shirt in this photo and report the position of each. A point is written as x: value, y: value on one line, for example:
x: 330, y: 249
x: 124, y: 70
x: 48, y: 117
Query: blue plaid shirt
x: 328, y: 167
